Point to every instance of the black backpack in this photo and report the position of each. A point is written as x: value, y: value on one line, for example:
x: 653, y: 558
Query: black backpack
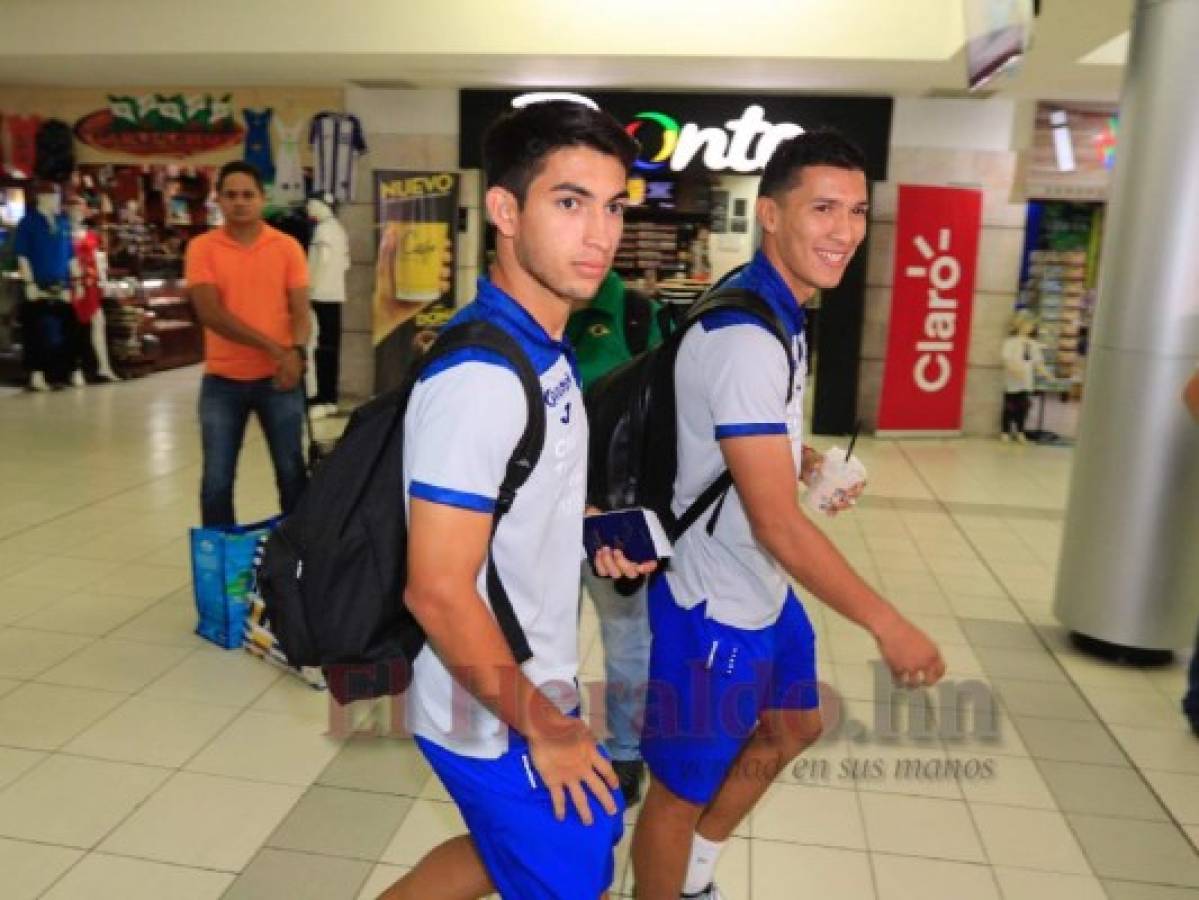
x: 638, y: 317
x: 334, y: 571
x: 633, y: 450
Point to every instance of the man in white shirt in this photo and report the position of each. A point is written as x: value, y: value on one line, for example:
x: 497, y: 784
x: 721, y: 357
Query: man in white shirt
x: 533, y: 785
x: 733, y: 694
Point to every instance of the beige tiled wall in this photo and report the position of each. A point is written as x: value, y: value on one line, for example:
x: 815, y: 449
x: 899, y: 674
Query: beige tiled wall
x: 996, y: 281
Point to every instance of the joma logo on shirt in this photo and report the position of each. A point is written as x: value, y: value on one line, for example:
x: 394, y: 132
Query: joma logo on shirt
x: 558, y: 391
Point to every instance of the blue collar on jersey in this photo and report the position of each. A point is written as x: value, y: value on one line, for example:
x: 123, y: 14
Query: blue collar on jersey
x: 496, y: 306
x: 763, y: 279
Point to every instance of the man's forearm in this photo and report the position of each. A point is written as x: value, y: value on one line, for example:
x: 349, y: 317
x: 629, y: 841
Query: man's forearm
x: 469, y: 642
x: 229, y: 326
x: 301, y: 333
x: 301, y: 328
x: 811, y: 558
x: 300, y: 310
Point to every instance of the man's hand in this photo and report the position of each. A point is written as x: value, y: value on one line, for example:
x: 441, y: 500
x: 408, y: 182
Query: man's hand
x: 811, y: 460
x: 568, y: 759
x: 611, y: 563
x: 290, y: 371
x: 914, y: 660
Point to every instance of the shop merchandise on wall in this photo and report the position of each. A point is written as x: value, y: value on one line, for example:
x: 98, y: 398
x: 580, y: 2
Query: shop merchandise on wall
x: 54, y: 151
x: 141, y: 216
x: 663, y: 250
x: 337, y: 142
x: 21, y: 150
x: 289, y: 188
x: 1060, y: 274
x: 258, y: 142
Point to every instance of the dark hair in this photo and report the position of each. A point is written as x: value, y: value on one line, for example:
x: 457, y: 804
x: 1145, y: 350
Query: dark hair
x: 820, y: 147
x: 516, y: 144
x: 239, y: 167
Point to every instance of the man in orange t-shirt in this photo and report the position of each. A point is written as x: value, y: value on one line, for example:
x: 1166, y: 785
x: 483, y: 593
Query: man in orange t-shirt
x: 249, y: 285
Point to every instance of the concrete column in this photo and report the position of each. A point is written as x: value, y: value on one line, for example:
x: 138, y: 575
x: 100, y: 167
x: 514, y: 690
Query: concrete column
x: 1129, y: 571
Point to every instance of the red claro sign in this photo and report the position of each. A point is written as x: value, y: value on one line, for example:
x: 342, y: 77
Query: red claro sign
x: 96, y: 130
x: 932, y: 299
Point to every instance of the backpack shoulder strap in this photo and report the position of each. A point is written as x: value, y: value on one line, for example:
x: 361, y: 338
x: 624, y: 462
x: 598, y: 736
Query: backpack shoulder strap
x: 751, y: 303
x: 666, y: 322
x: 521, y: 463
x: 637, y: 315
x: 488, y: 336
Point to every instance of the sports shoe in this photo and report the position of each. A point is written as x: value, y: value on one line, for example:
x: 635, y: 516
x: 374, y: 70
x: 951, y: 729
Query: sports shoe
x: 711, y: 892
x: 629, y: 771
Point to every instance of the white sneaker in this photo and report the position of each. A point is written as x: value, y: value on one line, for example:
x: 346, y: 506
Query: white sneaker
x: 37, y: 382
x: 77, y: 379
x: 711, y: 892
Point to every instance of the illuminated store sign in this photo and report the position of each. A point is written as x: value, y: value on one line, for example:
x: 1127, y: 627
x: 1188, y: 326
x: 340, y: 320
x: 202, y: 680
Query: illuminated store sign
x: 720, y: 133
x: 744, y: 144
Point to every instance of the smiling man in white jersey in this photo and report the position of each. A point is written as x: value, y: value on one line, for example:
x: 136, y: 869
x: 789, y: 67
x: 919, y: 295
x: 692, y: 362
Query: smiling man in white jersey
x: 534, y: 787
x: 733, y: 694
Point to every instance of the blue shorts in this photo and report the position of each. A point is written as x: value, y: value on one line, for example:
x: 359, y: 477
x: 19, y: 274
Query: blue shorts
x: 709, y: 683
x: 528, y: 854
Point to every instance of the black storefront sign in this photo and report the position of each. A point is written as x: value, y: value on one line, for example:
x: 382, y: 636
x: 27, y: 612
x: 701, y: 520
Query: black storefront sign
x: 734, y: 134
x: 727, y: 133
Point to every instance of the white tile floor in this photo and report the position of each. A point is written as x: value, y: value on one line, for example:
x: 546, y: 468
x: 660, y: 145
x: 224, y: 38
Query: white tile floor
x: 137, y: 761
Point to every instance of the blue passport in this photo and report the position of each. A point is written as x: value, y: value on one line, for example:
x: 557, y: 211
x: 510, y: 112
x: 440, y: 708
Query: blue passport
x: 635, y: 532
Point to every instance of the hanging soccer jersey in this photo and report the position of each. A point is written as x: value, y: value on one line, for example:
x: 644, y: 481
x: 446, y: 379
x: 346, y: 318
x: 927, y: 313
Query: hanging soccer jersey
x: 289, y: 176
x: 337, y: 142
x: 22, y: 134
x: 258, y: 142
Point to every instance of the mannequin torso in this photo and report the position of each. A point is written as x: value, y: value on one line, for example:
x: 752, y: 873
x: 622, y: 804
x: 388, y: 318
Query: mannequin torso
x: 328, y: 255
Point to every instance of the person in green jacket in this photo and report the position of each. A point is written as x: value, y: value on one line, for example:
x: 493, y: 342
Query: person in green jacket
x: 610, y: 330
x: 614, y: 327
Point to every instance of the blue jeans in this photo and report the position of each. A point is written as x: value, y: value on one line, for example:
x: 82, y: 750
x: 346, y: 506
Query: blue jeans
x: 624, y: 630
x: 225, y: 407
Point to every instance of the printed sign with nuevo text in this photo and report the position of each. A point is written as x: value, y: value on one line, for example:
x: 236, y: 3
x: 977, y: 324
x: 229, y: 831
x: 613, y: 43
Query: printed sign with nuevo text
x: 932, y: 298
x: 416, y: 214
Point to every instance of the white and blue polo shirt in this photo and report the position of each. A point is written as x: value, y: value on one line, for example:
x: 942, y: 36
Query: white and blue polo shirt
x: 463, y: 421
x: 731, y: 380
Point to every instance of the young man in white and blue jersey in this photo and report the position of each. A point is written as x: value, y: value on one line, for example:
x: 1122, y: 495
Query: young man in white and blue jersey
x: 733, y: 694
x: 534, y: 787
